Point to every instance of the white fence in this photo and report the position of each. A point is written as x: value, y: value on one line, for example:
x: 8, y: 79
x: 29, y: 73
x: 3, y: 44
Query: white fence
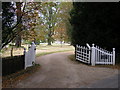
x: 30, y: 55
x: 83, y: 54
x: 94, y: 55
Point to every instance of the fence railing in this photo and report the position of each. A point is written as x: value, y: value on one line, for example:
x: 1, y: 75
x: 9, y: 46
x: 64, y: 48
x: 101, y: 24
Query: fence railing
x: 102, y: 56
x: 94, y: 55
x: 83, y: 54
x: 12, y: 64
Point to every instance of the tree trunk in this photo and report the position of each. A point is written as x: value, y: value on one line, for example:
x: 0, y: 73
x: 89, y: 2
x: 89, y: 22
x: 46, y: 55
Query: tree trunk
x: 61, y: 43
x: 50, y: 27
x: 18, y: 41
x: 18, y: 38
x: 49, y: 40
x: 11, y: 51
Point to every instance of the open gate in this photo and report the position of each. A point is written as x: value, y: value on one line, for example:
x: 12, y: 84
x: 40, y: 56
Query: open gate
x: 94, y: 55
x: 83, y: 54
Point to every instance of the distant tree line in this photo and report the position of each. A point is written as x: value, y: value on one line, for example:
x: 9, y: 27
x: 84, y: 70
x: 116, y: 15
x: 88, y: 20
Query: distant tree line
x: 34, y: 21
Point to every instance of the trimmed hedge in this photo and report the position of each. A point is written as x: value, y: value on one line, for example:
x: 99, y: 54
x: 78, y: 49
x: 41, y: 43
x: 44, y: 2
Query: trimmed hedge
x: 12, y: 64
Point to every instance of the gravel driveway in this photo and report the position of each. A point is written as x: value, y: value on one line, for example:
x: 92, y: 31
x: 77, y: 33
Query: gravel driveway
x: 57, y: 71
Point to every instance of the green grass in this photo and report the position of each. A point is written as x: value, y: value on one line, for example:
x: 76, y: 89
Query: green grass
x: 41, y: 49
x: 45, y: 53
x: 45, y: 49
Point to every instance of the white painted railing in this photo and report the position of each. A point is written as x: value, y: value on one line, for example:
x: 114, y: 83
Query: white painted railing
x: 102, y: 56
x: 94, y: 55
x: 30, y: 55
x: 83, y: 54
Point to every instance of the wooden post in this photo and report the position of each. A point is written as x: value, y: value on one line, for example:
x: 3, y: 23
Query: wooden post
x: 24, y: 58
x: 93, y: 55
x: 29, y: 47
x: 89, y: 55
x: 113, y: 56
x: 76, y: 48
x: 33, y: 51
x: 24, y: 51
x: 11, y: 50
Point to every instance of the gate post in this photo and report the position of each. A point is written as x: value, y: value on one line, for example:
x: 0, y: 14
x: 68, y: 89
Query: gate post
x: 89, y: 51
x: 113, y: 56
x: 33, y: 47
x: 24, y: 51
x: 93, y: 55
x: 25, y: 58
x: 76, y: 52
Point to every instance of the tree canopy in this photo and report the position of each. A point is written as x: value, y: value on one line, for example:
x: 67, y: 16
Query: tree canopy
x: 8, y: 16
x: 38, y: 21
x: 10, y: 22
x: 96, y: 23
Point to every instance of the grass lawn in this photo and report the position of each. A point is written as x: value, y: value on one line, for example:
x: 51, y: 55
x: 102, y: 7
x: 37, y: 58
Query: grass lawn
x: 41, y: 49
x: 45, y: 49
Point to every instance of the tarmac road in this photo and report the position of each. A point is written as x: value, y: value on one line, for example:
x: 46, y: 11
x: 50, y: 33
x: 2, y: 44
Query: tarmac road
x: 111, y: 82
